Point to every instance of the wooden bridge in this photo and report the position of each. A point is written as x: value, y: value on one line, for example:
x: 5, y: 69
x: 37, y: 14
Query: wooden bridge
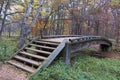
x: 39, y: 53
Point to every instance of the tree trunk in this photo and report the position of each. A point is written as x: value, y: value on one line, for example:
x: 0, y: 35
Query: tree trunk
x: 1, y: 8
x: 4, y: 18
x: 23, y: 34
x: 25, y: 31
x: 35, y: 17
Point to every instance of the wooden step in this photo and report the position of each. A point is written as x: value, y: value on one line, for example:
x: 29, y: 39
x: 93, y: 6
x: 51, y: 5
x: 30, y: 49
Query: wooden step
x: 22, y: 66
x: 40, y: 51
x: 27, y: 60
x: 56, y: 44
x: 33, y: 55
x: 45, y: 47
x: 47, y: 40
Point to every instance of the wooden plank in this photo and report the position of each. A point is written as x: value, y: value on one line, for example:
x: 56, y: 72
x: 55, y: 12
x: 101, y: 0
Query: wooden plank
x: 27, y: 60
x: 61, y: 36
x: 48, y: 40
x: 34, y: 39
x: 40, y: 51
x: 22, y: 66
x: 60, y: 39
x: 45, y: 47
x: 56, y: 44
x: 54, y: 54
x: 33, y: 55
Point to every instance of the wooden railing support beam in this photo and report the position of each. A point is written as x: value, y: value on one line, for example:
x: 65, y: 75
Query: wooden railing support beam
x: 67, y: 54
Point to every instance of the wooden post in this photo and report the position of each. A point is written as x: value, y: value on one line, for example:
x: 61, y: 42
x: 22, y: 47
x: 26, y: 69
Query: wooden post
x: 67, y: 54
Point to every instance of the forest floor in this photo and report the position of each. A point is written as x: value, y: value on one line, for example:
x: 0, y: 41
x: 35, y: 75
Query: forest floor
x: 115, y: 55
x: 8, y: 72
x: 112, y: 54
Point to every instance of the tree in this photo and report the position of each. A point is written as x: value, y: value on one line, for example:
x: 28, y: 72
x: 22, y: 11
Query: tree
x: 26, y: 29
x: 116, y: 15
x: 4, y: 8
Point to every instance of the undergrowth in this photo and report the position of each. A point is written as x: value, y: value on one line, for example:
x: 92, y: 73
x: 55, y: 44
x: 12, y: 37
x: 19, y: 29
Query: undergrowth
x: 7, y: 48
x: 84, y: 68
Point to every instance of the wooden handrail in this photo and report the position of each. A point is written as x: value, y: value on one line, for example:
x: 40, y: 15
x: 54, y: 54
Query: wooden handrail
x: 60, y: 36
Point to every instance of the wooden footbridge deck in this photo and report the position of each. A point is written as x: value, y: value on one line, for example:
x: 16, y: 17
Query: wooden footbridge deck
x: 39, y: 53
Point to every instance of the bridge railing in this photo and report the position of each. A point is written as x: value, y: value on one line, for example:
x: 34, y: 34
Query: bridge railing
x: 85, y: 38
x: 89, y: 38
x: 60, y: 36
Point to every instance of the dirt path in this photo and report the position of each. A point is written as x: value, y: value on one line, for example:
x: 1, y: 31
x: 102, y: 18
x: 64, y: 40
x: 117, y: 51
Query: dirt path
x: 8, y: 72
x: 112, y: 54
x: 115, y: 55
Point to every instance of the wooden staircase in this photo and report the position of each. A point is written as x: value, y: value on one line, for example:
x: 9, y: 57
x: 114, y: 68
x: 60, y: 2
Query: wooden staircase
x: 37, y: 54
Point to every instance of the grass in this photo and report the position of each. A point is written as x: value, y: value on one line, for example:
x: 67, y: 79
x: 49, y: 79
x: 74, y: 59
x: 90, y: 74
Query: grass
x: 7, y: 48
x: 84, y: 68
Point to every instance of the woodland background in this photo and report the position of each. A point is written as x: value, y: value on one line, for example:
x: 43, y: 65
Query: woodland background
x: 24, y: 19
